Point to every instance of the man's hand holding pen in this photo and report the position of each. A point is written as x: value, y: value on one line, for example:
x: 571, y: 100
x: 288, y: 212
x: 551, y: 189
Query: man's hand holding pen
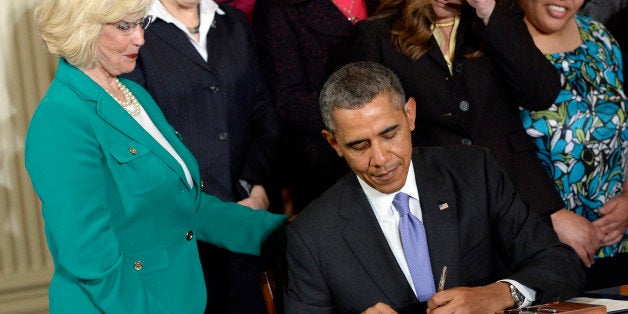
x: 485, y: 299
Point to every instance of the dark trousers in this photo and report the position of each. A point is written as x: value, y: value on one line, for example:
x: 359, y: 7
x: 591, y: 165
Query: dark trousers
x: 231, y: 280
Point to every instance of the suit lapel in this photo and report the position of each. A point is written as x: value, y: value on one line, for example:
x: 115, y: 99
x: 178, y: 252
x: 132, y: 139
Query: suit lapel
x: 363, y: 235
x: 439, y: 210
x: 461, y: 48
x: 168, y: 132
x: 174, y: 37
x: 113, y: 114
x: 436, y: 54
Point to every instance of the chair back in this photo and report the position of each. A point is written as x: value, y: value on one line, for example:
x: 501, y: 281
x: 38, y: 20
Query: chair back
x: 272, y: 284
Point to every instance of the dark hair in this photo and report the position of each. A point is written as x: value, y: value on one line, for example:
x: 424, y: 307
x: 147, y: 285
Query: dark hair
x: 412, y: 25
x: 412, y: 22
x: 355, y: 85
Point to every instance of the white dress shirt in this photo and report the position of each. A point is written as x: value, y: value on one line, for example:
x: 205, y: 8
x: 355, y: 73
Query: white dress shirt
x: 388, y: 219
x: 145, y: 121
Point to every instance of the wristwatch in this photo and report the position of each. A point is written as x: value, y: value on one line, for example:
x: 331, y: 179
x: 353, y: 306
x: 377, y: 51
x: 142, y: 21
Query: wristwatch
x: 517, y: 297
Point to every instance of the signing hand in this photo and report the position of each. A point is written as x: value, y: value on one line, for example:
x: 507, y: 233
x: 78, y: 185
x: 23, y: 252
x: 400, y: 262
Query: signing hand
x: 486, y: 299
x: 483, y: 8
x: 614, y: 221
x: 379, y: 308
x: 579, y: 233
x: 257, y: 198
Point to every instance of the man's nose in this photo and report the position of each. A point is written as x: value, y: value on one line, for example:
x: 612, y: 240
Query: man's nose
x: 380, y: 153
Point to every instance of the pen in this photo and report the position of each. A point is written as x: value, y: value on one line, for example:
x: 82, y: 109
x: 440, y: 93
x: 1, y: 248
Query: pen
x: 547, y: 310
x: 540, y: 309
x: 443, y: 278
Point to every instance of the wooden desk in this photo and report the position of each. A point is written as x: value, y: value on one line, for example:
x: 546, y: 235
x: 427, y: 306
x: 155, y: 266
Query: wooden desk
x: 560, y: 307
x: 614, y: 293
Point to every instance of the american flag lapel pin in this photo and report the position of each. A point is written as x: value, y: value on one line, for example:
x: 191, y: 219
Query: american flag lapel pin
x: 443, y: 206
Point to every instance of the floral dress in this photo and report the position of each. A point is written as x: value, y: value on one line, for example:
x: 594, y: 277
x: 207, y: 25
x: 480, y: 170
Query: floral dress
x: 583, y: 137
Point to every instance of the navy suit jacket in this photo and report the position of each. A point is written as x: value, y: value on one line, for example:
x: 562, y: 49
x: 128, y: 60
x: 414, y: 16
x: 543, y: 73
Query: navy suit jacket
x: 339, y: 260
x: 220, y: 108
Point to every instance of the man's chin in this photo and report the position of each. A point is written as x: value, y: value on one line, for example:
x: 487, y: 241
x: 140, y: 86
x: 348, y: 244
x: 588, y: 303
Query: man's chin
x: 386, y: 187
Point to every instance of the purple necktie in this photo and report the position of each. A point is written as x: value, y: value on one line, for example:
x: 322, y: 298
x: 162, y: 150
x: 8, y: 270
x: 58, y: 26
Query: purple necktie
x: 414, y: 244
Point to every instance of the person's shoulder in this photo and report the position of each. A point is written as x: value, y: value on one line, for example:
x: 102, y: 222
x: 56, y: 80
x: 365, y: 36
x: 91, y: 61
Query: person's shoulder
x: 280, y: 3
x: 230, y: 13
x: 589, y: 24
x: 381, y: 24
x: 595, y: 32
x: 323, y: 210
x: 60, y: 97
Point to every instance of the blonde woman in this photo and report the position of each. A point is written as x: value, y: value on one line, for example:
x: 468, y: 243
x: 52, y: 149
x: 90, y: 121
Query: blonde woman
x: 121, y: 194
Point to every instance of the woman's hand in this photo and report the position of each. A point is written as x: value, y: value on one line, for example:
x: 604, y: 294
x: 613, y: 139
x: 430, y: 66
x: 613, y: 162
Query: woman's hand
x: 579, y: 233
x: 614, y: 221
x: 483, y: 8
x: 257, y: 199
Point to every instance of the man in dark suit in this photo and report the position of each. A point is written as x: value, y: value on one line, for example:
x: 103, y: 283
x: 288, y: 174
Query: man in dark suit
x: 345, y: 251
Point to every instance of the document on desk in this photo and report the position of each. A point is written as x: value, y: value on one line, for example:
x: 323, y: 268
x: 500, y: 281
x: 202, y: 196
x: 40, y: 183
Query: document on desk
x: 612, y: 306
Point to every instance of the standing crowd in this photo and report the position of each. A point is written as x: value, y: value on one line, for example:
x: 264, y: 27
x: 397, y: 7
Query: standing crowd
x: 368, y: 147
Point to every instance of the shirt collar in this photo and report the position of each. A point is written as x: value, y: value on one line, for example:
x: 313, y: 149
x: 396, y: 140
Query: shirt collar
x: 206, y: 8
x: 381, y: 202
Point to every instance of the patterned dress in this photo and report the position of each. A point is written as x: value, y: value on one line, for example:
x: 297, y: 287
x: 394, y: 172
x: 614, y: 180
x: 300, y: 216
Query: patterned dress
x: 583, y: 137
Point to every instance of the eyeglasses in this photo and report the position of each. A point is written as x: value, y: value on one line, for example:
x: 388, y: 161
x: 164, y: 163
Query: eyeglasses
x: 127, y: 28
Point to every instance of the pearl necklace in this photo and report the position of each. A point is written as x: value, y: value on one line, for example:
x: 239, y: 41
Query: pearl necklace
x: 130, y: 103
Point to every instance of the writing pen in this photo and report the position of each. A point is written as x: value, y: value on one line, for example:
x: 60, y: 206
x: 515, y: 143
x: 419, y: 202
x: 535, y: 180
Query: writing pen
x: 540, y: 309
x: 443, y: 278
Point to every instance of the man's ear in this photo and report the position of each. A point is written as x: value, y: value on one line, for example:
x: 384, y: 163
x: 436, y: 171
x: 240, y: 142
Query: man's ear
x: 331, y: 139
x: 410, y: 111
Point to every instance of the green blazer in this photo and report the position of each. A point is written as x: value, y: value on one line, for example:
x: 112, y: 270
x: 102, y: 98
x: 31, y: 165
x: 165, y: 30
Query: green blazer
x: 120, y: 219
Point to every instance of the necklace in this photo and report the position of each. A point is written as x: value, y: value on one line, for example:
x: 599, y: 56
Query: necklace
x: 130, y: 103
x: 445, y: 24
x: 193, y: 30
x: 347, y: 12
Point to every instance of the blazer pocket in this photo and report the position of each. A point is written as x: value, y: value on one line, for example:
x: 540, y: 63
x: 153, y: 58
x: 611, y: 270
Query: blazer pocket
x: 141, y: 170
x: 520, y: 142
x: 148, y: 261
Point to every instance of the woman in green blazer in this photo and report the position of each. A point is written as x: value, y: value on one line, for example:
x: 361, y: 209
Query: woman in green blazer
x: 121, y: 193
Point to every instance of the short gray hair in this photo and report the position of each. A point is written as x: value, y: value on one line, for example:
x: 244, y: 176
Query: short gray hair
x: 357, y: 84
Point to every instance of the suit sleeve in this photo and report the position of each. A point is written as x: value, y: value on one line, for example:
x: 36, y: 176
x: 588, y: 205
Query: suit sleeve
x: 307, y: 291
x: 234, y: 227
x: 70, y: 175
x: 534, y: 81
x: 295, y: 101
x: 528, y: 244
